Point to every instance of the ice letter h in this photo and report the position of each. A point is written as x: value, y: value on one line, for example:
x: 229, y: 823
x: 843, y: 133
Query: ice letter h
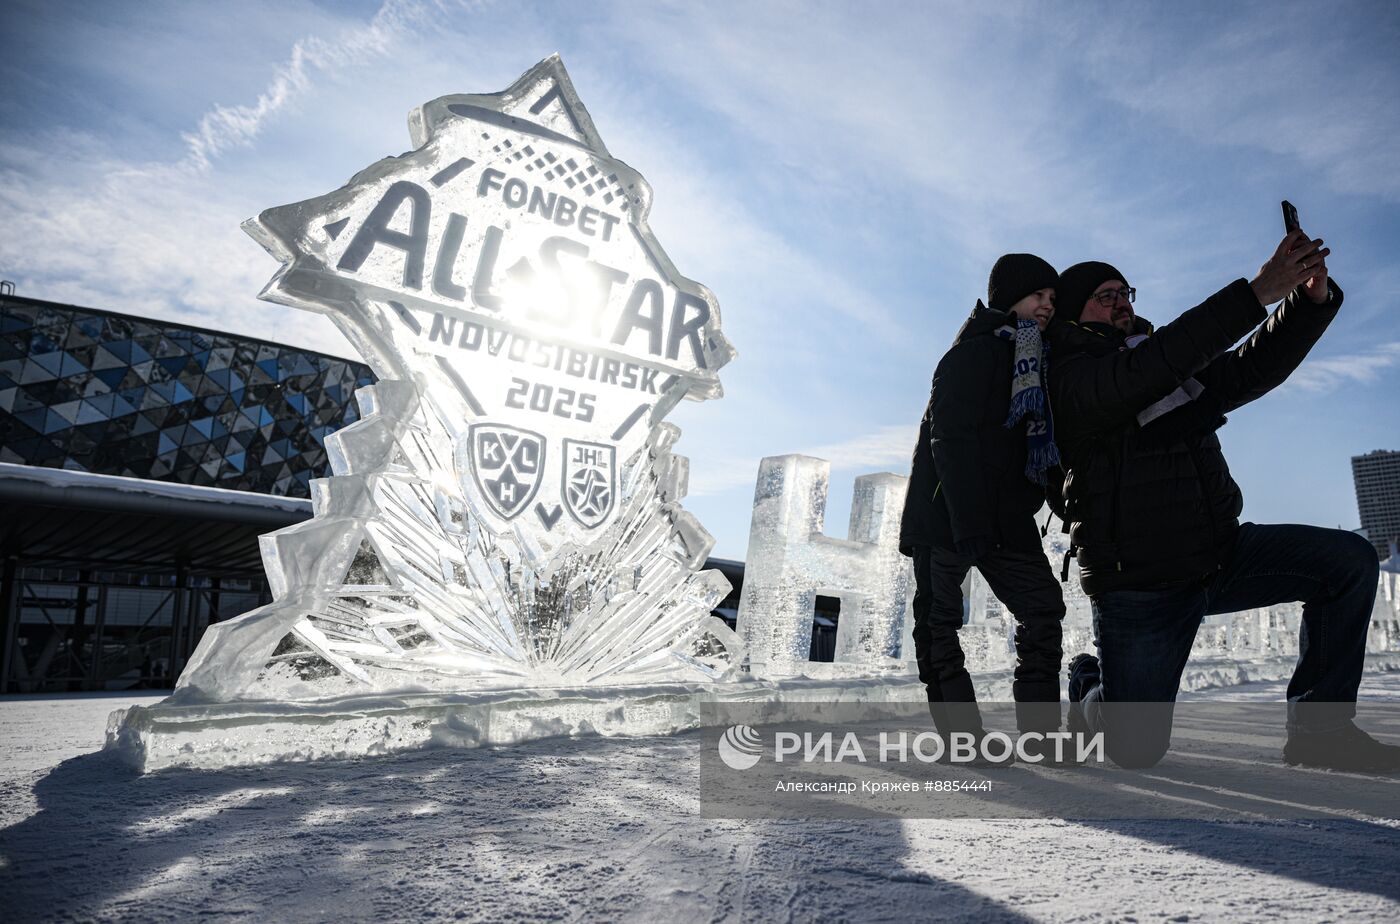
x: 790, y: 562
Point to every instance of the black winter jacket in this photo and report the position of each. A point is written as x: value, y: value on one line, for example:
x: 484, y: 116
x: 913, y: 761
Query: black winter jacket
x: 968, y: 476
x: 1155, y: 504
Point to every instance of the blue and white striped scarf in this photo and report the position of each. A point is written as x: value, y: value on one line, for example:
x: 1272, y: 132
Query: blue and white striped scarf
x: 1029, y: 400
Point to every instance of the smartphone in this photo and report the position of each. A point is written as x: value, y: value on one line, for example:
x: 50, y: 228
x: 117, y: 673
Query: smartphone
x: 1290, y: 217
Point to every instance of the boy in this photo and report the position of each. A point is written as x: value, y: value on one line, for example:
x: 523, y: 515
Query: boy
x: 978, y: 478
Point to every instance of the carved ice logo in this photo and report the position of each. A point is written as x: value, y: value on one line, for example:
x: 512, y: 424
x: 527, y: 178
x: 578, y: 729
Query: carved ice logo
x: 529, y: 336
x: 590, y: 482
x: 507, y: 463
x: 740, y: 747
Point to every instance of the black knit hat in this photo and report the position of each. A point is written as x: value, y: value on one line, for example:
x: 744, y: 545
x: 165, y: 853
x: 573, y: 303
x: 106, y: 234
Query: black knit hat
x: 1077, y: 283
x: 1015, y: 276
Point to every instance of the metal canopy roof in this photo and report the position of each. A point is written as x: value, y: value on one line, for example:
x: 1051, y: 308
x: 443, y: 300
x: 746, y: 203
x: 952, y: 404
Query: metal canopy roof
x: 107, y: 522
x: 59, y: 518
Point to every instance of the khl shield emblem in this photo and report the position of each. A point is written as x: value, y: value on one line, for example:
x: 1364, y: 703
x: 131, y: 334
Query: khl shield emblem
x: 590, y: 481
x: 507, y: 463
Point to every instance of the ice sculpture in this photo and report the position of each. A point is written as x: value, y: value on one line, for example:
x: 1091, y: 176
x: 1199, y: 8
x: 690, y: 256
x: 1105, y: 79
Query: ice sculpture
x: 790, y: 562
x: 507, y: 512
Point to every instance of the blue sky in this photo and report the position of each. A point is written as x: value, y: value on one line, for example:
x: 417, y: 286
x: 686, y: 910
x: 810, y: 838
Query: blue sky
x: 841, y: 175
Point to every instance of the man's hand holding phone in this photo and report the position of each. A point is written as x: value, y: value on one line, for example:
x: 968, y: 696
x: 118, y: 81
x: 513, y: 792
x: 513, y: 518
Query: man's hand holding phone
x: 1315, y: 286
x: 1298, y: 261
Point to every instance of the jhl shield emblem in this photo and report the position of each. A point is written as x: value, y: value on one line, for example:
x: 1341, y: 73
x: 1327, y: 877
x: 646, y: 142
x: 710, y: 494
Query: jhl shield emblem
x: 590, y: 481
x: 507, y: 463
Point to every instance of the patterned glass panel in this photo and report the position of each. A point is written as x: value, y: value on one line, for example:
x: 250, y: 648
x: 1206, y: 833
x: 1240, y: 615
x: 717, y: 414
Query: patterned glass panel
x: 98, y: 392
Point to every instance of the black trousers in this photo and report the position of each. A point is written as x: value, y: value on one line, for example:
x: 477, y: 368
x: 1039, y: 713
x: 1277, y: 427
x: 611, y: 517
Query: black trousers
x: 1023, y: 582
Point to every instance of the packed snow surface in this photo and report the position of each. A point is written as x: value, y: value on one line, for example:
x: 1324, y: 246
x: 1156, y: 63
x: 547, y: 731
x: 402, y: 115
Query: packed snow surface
x: 608, y: 829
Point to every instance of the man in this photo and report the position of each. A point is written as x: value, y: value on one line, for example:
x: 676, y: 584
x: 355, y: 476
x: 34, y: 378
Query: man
x: 977, y: 480
x: 1153, y: 512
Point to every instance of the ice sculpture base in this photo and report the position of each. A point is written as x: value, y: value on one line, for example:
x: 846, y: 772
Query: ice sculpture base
x: 244, y: 734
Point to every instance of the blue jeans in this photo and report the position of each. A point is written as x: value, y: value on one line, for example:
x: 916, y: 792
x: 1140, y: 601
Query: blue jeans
x: 1144, y: 637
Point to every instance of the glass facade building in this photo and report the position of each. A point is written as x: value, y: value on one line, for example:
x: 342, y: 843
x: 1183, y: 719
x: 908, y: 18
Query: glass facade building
x: 1377, y: 479
x: 139, y: 462
x: 101, y: 392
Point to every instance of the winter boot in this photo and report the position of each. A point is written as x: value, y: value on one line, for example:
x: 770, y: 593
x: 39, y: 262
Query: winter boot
x: 957, y: 712
x: 1347, y: 748
x: 1084, y: 674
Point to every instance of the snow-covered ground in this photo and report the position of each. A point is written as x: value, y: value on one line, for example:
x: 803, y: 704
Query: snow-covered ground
x: 608, y: 829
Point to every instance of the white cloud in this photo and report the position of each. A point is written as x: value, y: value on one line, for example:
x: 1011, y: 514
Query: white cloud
x: 1327, y: 374
x: 886, y: 448
x: 888, y: 103
x: 709, y: 230
x: 152, y: 239
x: 162, y: 237
x: 224, y: 127
x: 1294, y: 79
x: 889, y: 445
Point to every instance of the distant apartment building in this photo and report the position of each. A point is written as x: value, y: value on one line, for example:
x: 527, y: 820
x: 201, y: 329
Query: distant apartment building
x: 1377, y: 478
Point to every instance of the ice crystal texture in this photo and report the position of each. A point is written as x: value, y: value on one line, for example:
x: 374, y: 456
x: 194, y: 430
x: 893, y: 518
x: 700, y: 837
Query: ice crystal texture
x: 507, y: 512
x: 790, y: 562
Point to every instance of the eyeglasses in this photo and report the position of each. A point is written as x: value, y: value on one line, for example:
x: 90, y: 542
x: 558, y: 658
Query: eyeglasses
x: 1109, y: 298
